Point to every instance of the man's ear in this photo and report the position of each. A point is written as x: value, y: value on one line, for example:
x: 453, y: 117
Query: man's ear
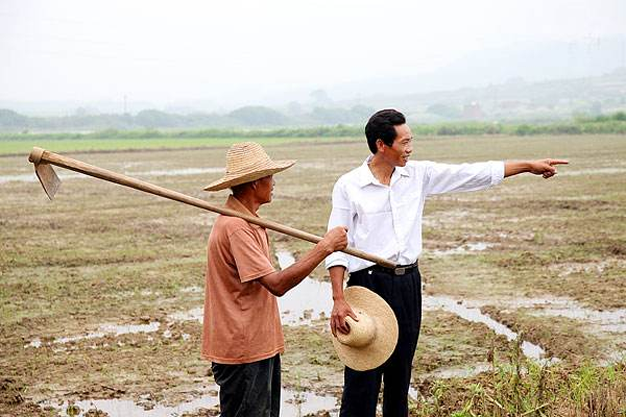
x: 380, y: 145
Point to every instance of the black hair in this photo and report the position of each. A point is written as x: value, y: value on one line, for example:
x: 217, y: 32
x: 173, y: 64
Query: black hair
x: 382, y: 126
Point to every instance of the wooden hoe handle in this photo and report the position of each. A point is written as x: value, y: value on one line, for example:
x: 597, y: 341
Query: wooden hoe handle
x: 41, y: 156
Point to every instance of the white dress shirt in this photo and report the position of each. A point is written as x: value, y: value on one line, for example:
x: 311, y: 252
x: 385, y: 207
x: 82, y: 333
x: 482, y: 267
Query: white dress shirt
x: 386, y: 220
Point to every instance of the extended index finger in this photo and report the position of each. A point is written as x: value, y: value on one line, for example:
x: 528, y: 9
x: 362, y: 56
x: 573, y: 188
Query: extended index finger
x: 558, y: 161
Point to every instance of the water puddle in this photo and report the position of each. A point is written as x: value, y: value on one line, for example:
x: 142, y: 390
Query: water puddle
x: 193, y: 290
x: 310, y: 300
x: 612, y: 321
x: 70, y: 339
x: 33, y: 178
x: 103, y: 330
x: 294, y: 404
x: 35, y: 343
x: 467, y: 371
x: 463, y: 249
x: 195, y: 314
x: 113, y: 330
x: 580, y: 268
x: 315, y: 301
x: 451, y: 305
x: 65, y: 175
x: 616, y: 357
x: 614, y: 328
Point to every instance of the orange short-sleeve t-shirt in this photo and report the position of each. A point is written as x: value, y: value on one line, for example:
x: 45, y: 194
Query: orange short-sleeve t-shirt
x: 241, y: 318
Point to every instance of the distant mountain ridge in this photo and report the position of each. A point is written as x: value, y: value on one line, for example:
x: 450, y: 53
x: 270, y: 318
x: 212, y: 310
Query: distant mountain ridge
x: 515, y: 100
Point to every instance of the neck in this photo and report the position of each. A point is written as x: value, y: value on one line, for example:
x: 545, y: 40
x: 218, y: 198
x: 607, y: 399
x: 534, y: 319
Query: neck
x: 381, y: 169
x: 249, y: 201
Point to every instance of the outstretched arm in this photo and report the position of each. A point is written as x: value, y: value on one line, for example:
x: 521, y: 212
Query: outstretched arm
x: 544, y: 167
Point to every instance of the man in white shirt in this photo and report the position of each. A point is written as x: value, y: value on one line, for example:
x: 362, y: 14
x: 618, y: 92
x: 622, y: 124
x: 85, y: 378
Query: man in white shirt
x: 381, y: 203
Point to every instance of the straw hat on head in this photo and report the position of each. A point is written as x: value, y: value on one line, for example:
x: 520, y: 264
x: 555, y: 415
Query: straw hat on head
x: 247, y: 162
x: 373, y: 338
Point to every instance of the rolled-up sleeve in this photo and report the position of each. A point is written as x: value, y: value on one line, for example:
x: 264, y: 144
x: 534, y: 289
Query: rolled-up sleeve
x: 341, y: 215
x: 449, y: 178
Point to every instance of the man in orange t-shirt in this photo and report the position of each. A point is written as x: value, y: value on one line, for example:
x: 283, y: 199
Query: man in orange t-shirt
x: 242, y: 333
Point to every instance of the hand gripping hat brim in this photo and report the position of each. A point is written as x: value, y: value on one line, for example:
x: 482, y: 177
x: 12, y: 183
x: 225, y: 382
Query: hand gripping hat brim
x: 376, y: 321
x: 247, y: 162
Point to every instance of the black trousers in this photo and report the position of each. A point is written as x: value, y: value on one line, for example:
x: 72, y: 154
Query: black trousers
x: 361, y: 389
x: 249, y: 389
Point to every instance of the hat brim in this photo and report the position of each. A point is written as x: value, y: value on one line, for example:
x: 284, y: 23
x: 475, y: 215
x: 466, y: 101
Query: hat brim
x: 362, y: 300
x: 230, y: 180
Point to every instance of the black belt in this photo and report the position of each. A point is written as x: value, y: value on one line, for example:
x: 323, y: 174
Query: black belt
x: 398, y: 270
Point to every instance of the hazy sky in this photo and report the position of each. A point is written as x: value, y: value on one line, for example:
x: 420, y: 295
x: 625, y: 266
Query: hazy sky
x: 229, y: 51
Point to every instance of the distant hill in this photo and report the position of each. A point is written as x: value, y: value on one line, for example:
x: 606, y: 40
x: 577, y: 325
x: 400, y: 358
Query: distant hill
x: 515, y: 100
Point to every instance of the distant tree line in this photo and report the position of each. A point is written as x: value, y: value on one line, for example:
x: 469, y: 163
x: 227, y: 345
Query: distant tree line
x: 249, y: 116
x: 605, y: 124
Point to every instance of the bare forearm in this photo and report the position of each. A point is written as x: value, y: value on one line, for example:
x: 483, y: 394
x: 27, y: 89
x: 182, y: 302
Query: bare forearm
x: 280, y: 282
x: 544, y: 167
x: 516, y: 167
x: 341, y: 308
x: 336, y: 278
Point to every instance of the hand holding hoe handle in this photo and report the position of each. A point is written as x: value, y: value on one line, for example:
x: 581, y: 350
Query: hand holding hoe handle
x: 42, y: 159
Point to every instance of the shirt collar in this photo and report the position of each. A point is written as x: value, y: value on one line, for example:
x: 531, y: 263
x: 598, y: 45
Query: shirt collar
x: 366, y: 177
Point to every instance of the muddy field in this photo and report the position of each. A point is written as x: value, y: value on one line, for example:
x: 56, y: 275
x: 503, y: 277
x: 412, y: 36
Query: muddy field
x: 101, y: 290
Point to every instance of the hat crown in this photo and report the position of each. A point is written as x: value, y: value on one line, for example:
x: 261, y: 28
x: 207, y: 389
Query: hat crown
x: 246, y: 162
x: 362, y: 332
x: 244, y: 157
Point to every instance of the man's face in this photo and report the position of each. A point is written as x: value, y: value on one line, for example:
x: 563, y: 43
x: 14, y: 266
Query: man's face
x: 399, y: 152
x: 264, y: 189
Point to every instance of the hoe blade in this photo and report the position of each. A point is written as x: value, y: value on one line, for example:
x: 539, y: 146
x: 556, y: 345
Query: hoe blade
x: 48, y: 178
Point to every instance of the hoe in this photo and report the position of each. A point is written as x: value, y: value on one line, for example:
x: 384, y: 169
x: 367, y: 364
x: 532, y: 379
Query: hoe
x: 43, y: 161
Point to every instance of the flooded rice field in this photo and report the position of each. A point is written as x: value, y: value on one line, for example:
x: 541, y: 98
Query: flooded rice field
x: 101, y: 290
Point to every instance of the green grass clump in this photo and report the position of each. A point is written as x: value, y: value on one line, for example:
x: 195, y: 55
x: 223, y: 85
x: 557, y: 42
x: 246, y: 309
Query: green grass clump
x: 520, y: 387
